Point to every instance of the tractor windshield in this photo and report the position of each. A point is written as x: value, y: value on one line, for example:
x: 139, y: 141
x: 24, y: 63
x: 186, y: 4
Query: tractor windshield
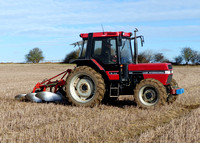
x: 126, y: 52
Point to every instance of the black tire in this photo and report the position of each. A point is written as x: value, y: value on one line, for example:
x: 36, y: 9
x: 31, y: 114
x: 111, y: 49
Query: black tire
x: 150, y: 93
x: 85, y: 87
x: 172, y: 98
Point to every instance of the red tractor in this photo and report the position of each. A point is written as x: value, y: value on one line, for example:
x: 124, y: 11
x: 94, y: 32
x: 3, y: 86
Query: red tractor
x: 106, y: 69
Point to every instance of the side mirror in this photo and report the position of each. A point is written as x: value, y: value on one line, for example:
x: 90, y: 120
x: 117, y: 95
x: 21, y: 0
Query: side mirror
x: 142, y: 40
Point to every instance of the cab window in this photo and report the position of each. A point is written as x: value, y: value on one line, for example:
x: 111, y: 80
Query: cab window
x: 105, y: 50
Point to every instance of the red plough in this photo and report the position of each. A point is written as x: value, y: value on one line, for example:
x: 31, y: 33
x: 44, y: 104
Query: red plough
x: 40, y: 93
x: 42, y: 86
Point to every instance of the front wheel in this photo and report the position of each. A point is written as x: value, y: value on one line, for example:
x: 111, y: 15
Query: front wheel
x: 150, y: 93
x: 85, y: 87
x: 172, y: 98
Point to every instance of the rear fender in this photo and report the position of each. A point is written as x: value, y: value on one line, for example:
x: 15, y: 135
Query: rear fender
x: 94, y: 65
x: 88, y: 62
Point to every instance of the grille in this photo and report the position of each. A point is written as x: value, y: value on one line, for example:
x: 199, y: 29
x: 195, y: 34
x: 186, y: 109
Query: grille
x: 169, y: 79
x: 170, y: 67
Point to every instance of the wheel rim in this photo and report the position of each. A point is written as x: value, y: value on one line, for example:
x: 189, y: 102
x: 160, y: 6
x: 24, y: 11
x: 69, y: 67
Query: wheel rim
x: 148, y: 95
x: 82, y: 88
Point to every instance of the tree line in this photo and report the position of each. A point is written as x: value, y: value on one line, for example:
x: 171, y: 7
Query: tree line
x: 186, y: 56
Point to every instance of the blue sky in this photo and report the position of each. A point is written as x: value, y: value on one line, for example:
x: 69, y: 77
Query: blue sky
x: 52, y: 25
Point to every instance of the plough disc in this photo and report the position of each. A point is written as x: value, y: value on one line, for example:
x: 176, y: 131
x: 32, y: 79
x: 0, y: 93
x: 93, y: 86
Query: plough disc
x: 50, y: 96
x: 20, y: 97
x: 33, y: 98
x: 41, y: 97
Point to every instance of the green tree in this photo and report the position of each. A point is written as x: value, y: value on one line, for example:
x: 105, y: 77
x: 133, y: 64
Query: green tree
x: 187, y: 54
x: 71, y: 55
x: 35, y: 56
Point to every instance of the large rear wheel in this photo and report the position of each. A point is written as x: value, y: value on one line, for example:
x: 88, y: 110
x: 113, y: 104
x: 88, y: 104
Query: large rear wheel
x: 85, y: 87
x: 150, y: 93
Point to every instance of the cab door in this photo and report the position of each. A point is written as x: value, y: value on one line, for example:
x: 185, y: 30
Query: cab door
x: 105, y: 52
x: 125, y: 58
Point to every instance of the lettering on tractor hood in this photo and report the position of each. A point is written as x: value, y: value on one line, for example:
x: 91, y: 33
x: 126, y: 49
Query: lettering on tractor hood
x: 156, y: 67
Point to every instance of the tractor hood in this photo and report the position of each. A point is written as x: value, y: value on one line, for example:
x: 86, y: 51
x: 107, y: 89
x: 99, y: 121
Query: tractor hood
x: 150, y: 67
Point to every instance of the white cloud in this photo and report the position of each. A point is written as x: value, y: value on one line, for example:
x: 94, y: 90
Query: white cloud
x: 45, y: 16
x: 64, y: 20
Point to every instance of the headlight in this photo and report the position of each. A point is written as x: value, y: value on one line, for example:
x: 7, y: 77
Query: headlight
x: 169, y: 72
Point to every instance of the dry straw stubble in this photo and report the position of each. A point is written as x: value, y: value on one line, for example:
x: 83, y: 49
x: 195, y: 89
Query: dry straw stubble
x: 120, y: 122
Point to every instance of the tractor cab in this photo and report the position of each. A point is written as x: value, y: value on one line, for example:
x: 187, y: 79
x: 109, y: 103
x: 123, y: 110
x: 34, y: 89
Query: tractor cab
x: 109, y: 49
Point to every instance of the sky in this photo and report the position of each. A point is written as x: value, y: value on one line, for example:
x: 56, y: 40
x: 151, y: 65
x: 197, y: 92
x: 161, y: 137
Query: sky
x: 52, y: 25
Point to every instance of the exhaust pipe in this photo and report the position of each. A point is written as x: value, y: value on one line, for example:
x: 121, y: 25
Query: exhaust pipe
x: 135, y: 47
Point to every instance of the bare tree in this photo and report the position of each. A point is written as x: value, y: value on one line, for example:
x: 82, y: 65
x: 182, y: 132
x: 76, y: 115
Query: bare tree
x: 158, y: 57
x: 142, y: 58
x: 178, y: 59
x: 196, y: 57
x: 145, y: 57
x: 165, y: 60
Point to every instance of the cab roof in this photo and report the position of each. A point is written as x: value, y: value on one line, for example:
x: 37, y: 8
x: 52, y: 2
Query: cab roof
x: 107, y: 34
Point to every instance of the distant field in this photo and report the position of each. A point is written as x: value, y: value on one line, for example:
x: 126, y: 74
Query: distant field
x: 120, y: 122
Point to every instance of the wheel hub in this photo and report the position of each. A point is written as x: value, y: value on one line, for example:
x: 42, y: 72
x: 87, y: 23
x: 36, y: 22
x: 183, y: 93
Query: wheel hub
x: 148, y: 96
x: 84, y: 88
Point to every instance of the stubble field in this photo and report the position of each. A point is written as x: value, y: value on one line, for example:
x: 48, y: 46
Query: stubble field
x: 120, y: 122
